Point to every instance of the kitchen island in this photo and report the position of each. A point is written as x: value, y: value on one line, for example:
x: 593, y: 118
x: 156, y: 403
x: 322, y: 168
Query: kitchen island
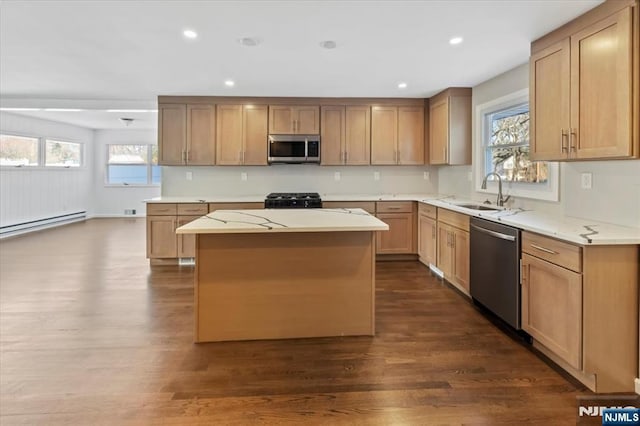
x: 284, y: 273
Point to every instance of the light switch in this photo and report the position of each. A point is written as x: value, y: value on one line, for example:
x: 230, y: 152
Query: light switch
x: 376, y: 175
x: 585, y: 180
x: 189, y: 176
x: 336, y: 176
x: 243, y: 176
x: 425, y: 176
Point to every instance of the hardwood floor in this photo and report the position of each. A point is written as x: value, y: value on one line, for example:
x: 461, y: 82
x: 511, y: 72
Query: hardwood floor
x: 91, y: 334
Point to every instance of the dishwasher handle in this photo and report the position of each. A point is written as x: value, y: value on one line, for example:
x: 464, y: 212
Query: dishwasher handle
x: 494, y: 233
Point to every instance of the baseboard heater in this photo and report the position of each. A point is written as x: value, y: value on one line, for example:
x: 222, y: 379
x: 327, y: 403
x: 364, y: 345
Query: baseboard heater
x: 32, y: 225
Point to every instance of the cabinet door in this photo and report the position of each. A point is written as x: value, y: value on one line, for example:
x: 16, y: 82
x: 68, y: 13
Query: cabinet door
x: 439, y: 132
x: 201, y: 144
x: 332, y: 134
x: 255, y: 135
x: 399, y: 238
x: 229, y: 123
x: 307, y: 120
x: 461, y: 258
x: 427, y: 239
x: 445, y: 251
x: 601, y: 83
x: 410, y: 135
x: 384, y: 135
x: 549, y: 102
x: 186, y: 243
x: 358, y: 135
x: 281, y: 120
x: 552, y: 307
x: 161, y: 237
x: 172, y: 134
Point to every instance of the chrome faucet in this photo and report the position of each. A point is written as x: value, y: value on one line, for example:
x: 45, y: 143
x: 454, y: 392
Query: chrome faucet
x: 500, y: 201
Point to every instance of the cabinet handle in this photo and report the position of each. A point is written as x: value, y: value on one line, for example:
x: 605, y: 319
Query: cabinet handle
x: 242, y: 157
x: 345, y: 157
x: 573, y: 138
x: 563, y: 138
x: 444, y: 154
x: 546, y: 250
x: 453, y: 240
x: 184, y: 156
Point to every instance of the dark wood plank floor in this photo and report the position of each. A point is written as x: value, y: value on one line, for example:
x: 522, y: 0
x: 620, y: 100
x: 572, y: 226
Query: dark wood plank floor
x: 90, y: 334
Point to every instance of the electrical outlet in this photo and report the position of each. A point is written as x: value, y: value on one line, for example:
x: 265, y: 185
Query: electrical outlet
x: 243, y: 176
x: 585, y: 180
x: 470, y: 176
x: 336, y: 176
x: 425, y: 176
x: 376, y: 175
x: 189, y: 176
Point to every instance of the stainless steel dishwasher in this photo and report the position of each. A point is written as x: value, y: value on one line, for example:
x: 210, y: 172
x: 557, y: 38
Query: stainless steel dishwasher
x: 494, y: 269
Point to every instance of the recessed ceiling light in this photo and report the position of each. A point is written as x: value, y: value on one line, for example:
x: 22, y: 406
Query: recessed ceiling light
x: 456, y: 40
x: 190, y: 34
x: 402, y: 85
x: 63, y: 109
x: 229, y: 83
x: 20, y: 109
x: 249, y: 41
x: 328, y: 44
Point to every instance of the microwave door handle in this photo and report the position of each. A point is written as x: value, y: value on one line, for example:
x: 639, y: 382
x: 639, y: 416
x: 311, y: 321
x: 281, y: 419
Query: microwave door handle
x: 306, y: 149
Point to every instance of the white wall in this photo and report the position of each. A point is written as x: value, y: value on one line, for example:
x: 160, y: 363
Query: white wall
x: 261, y: 180
x: 614, y: 198
x: 113, y: 200
x: 27, y: 195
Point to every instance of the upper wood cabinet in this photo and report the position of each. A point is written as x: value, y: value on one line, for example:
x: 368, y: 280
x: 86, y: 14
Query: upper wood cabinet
x: 241, y: 134
x: 345, y: 133
x: 397, y: 135
x: 450, y: 127
x: 186, y: 134
x: 582, y: 105
x: 294, y: 120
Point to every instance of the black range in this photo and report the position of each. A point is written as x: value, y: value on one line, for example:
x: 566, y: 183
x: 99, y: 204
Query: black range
x: 293, y: 200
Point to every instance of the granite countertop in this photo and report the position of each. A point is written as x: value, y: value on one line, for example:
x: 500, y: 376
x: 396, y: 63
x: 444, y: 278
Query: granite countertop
x: 283, y: 220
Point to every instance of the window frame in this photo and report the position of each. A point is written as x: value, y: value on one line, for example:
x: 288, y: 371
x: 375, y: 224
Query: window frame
x: 62, y: 140
x: 148, y: 164
x: 40, y: 153
x: 42, y: 147
x: 548, y: 191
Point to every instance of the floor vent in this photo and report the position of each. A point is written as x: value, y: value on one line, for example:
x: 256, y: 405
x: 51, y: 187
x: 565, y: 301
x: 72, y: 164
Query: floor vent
x: 34, y: 225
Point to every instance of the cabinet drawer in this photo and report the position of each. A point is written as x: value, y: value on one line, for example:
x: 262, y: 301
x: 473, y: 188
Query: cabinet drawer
x: 368, y: 206
x: 428, y: 210
x: 193, y: 209
x: 162, y: 209
x: 555, y: 251
x: 235, y: 206
x: 394, y: 207
x: 456, y: 219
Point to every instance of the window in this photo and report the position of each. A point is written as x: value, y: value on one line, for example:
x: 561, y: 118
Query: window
x: 19, y: 151
x: 503, y: 127
x: 62, y: 154
x: 132, y: 165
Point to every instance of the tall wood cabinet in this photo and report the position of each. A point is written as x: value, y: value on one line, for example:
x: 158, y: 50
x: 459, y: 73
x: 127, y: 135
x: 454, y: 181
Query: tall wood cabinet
x: 450, y: 127
x: 294, y: 120
x: 397, y: 135
x: 584, y: 87
x: 186, y: 134
x: 241, y: 135
x: 453, y: 247
x: 345, y: 133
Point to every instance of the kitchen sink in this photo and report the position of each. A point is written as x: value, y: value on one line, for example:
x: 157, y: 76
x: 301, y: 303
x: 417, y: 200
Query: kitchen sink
x: 478, y: 207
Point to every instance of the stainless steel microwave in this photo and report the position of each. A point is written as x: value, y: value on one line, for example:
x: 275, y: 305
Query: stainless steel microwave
x: 294, y: 149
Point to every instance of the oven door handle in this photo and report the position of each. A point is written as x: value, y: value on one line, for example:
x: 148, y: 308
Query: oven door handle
x: 494, y: 233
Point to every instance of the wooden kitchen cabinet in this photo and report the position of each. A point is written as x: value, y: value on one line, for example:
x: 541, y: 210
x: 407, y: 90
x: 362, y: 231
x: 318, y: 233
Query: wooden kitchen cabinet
x: 346, y: 135
x: 241, y: 135
x: 401, y: 218
x: 582, y: 102
x: 162, y: 221
x: 552, y: 307
x: 186, y: 134
x: 294, y: 120
x: 427, y: 234
x: 397, y: 135
x: 453, y: 255
x: 450, y: 127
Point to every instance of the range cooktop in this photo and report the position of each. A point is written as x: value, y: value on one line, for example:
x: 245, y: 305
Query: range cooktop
x: 293, y: 200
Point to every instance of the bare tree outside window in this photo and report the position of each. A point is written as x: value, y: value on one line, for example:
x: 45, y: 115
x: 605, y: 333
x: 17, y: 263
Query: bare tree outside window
x: 19, y: 151
x: 62, y: 154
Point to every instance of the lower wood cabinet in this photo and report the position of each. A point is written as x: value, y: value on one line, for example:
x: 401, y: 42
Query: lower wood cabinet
x: 162, y: 221
x: 552, y: 307
x: 427, y: 235
x: 453, y: 248
x: 401, y: 218
x: 161, y: 237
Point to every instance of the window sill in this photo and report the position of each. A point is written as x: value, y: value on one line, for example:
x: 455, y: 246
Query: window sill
x: 131, y: 185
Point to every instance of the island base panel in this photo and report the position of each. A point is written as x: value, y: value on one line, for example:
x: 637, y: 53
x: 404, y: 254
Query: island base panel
x: 285, y: 285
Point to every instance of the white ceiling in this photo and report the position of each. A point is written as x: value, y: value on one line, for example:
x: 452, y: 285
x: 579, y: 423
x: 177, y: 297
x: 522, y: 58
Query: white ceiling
x: 113, y: 51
